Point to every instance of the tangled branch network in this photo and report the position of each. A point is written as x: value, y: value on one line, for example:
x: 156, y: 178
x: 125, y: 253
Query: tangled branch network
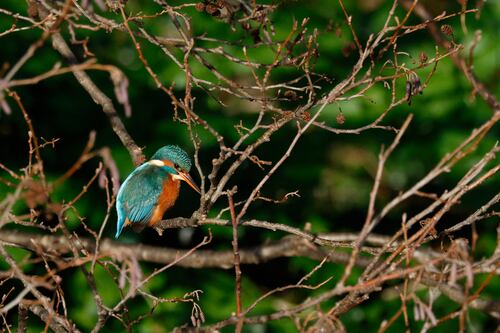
x: 272, y: 73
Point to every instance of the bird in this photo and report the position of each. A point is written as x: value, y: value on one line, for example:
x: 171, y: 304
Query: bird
x: 152, y: 188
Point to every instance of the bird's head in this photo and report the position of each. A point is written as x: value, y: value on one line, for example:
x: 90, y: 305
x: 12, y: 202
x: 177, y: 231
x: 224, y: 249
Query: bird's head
x: 177, y: 162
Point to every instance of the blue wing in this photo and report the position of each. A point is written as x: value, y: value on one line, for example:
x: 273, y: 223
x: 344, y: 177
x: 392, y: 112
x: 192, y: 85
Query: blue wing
x: 138, y: 195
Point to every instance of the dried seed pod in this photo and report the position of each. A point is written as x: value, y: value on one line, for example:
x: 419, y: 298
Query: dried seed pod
x: 291, y: 95
x: 413, y: 86
x: 306, y: 116
x: 220, y: 3
x: 340, y: 118
x: 423, y: 57
x: 408, y: 91
x: 200, y: 6
x: 338, y: 32
x: 346, y: 50
x: 32, y: 9
x: 212, y: 9
x: 416, y: 85
x: 447, y: 29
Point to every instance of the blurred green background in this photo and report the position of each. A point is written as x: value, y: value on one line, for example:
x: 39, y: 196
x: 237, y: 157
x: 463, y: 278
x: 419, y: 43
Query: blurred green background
x: 333, y: 173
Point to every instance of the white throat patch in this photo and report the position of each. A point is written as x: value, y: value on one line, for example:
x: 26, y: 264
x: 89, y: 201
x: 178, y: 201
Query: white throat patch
x: 157, y: 163
x: 175, y: 176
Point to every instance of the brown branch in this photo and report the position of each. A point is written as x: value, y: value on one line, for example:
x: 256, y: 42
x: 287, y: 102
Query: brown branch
x: 287, y: 247
x: 97, y: 95
x: 369, y: 223
x: 237, y: 268
x: 458, y: 60
x: 331, y: 240
x: 406, y: 258
x: 22, y: 318
x: 32, y: 136
x: 44, y: 309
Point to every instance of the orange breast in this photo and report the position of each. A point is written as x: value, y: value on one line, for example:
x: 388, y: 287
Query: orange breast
x: 167, y: 199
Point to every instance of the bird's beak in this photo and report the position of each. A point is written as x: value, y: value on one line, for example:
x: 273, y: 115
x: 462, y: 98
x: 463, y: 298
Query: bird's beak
x: 187, y: 178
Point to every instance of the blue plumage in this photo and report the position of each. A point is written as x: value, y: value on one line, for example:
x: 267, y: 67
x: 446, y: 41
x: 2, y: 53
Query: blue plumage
x: 138, y: 195
x: 174, y: 154
x: 152, y: 188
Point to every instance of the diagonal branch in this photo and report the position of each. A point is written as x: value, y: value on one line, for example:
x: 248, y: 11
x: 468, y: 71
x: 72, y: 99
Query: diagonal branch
x: 97, y: 94
x: 458, y: 60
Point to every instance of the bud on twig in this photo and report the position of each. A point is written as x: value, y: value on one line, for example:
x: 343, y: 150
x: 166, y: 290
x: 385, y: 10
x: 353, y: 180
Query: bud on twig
x: 340, y: 118
x: 423, y: 57
x: 447, y: 30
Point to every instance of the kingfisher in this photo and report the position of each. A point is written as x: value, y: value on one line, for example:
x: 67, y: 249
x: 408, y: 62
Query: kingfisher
x: 152, y: 188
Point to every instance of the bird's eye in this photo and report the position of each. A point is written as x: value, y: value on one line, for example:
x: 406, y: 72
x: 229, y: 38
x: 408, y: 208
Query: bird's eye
x: 176, y: 166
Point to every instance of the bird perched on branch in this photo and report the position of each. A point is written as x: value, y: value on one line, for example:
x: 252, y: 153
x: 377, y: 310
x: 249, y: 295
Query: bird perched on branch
x: 152, y: 188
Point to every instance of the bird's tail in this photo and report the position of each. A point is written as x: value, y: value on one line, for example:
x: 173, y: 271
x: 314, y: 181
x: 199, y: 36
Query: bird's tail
x: 120, y: 224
